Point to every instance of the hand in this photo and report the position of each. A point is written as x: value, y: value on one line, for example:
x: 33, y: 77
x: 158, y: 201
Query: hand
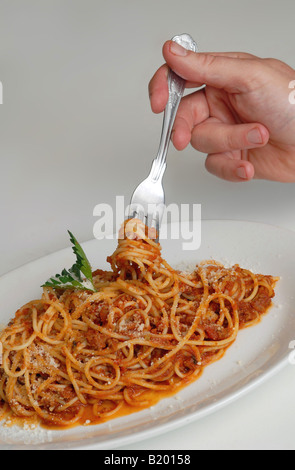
x: 243, y: 119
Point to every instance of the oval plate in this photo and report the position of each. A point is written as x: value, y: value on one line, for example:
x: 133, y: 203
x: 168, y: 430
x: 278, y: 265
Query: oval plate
x: 258, y: 353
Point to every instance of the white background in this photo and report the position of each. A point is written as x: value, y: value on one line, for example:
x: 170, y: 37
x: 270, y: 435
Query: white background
x: 76, y: 130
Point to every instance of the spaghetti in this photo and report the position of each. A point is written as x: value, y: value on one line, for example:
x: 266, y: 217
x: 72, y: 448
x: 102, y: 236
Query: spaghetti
x: 74, y: 357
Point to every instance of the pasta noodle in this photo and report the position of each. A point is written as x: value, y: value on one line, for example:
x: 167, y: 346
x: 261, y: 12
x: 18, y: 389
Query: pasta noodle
x: 74, y: 357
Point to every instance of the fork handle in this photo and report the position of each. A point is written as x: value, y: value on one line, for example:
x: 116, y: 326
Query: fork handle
x: 176, y: 86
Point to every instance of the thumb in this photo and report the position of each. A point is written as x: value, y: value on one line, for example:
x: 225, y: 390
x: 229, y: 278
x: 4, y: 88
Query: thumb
x: 230, y: 73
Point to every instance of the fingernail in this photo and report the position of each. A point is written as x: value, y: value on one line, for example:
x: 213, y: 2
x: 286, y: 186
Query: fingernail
x: 254, y: 137
x: 241, y: 173
x: 176, y: 49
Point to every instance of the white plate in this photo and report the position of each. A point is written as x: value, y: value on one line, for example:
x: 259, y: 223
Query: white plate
x: 258, y: 353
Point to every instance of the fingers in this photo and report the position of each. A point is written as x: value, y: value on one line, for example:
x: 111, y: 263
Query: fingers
x: 193, y: 109
x: 234, y: 72
x: 226, y: 144
x: 234, y: 55
x: 226, y: 167
x: 181, y: 133
x: 213, y: 136
x: 158, y: 90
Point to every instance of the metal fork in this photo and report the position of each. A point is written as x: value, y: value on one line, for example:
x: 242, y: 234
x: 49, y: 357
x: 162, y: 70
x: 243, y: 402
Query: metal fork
x: 148, y: 200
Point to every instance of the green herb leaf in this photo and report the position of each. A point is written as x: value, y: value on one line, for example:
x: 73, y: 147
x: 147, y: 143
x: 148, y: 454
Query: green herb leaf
x: 72, y: 278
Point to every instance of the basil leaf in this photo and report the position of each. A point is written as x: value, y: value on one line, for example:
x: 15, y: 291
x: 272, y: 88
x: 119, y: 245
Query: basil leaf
x: 73, y: 277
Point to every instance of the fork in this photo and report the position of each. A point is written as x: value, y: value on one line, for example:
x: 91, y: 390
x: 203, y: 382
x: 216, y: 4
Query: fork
x: 148, y: 200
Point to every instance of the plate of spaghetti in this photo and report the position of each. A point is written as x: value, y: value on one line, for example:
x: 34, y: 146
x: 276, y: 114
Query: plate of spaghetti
x: 152, y: 338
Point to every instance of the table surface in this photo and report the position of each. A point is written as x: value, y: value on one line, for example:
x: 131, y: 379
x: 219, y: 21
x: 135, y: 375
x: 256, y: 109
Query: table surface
x: 76, y: 130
